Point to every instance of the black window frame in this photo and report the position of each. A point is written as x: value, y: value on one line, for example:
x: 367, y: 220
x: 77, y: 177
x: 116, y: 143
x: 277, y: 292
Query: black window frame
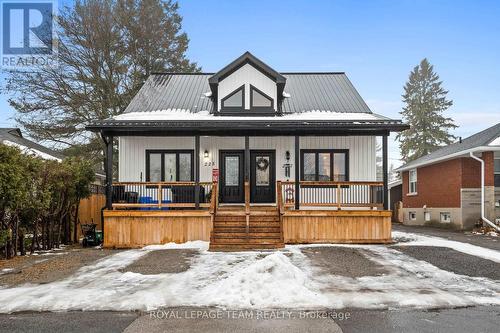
x: 234, y: 108
x: 319, y: 151
x: 169, y: 151
x: 264, y: 109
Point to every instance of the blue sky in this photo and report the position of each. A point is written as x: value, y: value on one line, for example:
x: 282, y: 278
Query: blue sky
x: 375, y: 42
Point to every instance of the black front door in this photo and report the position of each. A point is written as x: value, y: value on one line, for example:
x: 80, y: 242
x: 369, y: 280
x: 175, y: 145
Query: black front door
x: 231, y: 176
x: 262, y: 176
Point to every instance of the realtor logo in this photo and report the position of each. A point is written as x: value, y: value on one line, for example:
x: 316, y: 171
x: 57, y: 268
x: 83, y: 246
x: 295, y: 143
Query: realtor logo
x: 27, y: 33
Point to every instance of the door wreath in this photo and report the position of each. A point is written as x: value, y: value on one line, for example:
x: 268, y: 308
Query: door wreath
x: 262, y: 164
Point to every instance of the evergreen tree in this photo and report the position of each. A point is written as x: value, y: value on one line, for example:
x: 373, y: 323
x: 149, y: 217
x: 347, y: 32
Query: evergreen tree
x: 106, y: 50
x: 425, y: 101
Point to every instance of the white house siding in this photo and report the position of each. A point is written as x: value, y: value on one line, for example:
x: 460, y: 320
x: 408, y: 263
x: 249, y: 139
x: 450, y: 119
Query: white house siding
x: 247, y: 75
x: 132, y: 153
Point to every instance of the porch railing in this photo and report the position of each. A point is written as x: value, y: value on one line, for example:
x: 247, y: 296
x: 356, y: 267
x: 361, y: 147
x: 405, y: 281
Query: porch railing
x: 333, y: 194
x: 162, y: 195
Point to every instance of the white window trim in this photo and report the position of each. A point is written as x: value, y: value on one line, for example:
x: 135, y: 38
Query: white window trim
x: 427, y: 216
x: 441, y: 217
x: 409, y: 182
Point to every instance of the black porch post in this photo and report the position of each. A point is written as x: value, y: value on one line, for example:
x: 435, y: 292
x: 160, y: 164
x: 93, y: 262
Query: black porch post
x: 109, y: 172
x: 385, y: 172
x: 247, y: 158
x: 197, y: 172
x: 297, y: 172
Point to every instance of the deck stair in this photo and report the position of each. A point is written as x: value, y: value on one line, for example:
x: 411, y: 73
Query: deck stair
x: 229, y: 231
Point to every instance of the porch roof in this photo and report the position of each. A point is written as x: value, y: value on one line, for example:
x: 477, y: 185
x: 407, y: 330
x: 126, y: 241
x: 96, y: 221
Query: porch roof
x: 254, y: 127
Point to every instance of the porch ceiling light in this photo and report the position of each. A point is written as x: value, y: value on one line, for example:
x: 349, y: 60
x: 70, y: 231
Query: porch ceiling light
x: 205, y: 154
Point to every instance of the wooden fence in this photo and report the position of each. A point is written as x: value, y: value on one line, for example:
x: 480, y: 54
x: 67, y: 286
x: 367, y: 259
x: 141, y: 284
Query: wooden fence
x: 90, y: 208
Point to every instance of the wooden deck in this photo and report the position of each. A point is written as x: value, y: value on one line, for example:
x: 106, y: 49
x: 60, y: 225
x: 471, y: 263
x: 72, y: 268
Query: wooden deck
x: 227, y: 231
x: 133, y: 229
x: 344, y: 226
x: 330, y: 212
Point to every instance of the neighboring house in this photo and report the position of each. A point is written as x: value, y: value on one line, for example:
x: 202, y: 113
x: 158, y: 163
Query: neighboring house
x: 444, y: 187
x: 395, y: 192
x: 222, y: 149
x: 13, y: 137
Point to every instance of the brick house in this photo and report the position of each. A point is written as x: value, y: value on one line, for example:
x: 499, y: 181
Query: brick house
x: 444, y: 187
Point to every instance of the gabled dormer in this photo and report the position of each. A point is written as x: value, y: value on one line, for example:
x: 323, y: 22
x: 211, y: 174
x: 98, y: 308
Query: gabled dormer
x: 247, y: 87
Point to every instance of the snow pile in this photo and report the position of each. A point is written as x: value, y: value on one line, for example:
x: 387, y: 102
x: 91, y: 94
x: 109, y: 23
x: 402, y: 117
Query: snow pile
x: 421, y: 240
x: 273, y: 281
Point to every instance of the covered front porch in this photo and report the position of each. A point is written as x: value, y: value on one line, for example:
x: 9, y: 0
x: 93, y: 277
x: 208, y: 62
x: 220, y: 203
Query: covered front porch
x: 258, y: 187
x: 329, y: 211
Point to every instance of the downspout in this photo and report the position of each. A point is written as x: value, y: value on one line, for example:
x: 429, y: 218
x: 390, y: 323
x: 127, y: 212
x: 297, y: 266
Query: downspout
x: 483, y: 217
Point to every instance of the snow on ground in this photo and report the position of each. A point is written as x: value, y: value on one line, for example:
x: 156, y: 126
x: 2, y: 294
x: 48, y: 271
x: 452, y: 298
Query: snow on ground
x: 279, y: 279
x: 421, y: 240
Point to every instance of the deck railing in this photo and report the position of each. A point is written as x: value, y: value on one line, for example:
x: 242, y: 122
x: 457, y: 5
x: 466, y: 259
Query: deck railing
x: 182, y: 195
x: 333, y: 194
x: 162, y: 195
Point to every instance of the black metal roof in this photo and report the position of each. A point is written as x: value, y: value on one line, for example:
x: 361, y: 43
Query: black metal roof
x: 483, y: 138
x: 308, y: 92
x: 14, y: 135
x: 325, y: 95
x: 246, y: 58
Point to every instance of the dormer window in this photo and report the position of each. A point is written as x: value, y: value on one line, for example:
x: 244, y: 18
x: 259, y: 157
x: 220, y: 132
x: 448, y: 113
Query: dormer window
x: 235, y: 100
x: 259, y: 100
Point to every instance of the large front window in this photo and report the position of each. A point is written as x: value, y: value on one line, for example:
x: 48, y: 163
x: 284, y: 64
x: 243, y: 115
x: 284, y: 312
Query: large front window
x: 169, y: 165
x: 325, y: 165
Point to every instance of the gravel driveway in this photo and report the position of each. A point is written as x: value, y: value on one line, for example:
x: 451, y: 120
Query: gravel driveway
x: 50, y: 266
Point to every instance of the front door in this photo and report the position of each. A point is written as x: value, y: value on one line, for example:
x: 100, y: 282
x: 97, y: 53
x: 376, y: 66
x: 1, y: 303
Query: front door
x: 262, y: 176
x: 231, y: 176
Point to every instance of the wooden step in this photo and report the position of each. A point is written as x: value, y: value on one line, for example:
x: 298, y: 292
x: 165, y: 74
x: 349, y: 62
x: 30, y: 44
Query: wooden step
x: 237, y: 226
x: 252, y: 235
x: 243, y: 230
x: 242, y: 213
x: 245, y: 240
x: 243, y: 218
x: 245, y: 246
x: 229, y: 218
x: 230, y: 230
x: 244, y: 223
x: 257, y: 223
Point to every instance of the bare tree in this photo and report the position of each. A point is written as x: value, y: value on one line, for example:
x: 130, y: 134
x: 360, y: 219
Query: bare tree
x: 106, y: 49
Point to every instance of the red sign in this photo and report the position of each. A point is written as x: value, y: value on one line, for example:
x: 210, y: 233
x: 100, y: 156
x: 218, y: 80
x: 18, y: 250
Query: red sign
x: 215, y: 175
